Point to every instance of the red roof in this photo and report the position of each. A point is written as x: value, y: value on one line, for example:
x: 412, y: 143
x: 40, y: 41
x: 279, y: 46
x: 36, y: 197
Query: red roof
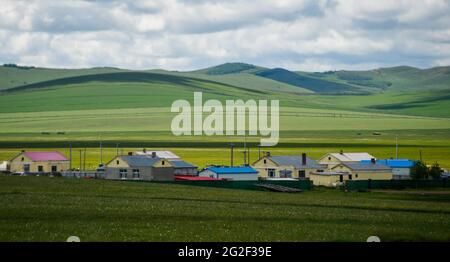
x: 46, y: 156
x: 195, y: 178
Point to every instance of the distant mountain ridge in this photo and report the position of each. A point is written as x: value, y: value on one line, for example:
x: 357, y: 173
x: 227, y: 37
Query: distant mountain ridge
x: 342, y: 82
x: 403, y: 89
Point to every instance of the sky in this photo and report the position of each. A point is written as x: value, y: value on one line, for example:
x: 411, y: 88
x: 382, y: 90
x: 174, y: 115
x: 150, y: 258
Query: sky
x: 305, y: 35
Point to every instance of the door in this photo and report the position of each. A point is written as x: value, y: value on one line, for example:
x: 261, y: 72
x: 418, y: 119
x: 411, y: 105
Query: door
x: 54, y: 169
x: 271, y: 172
x: 341, y: 178
x: 301, y: 174
x: 26, y: 168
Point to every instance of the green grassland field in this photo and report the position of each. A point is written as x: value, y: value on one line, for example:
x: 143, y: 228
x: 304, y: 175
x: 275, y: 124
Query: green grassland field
x: 51, y: 209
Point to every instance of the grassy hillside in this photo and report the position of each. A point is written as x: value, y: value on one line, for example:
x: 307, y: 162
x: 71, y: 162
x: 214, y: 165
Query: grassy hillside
x: 19, y: 76
x: 251, y: 81
x: 313, y: 84
x: 399, y: 90
x: 96, y: 210
x: 229, y: 68
x: 401, y: 78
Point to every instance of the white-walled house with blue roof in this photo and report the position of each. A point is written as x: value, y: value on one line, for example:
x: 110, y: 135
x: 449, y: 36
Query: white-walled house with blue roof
x: 401, y: 168
x: 344, y: 171
x: 238, y: 173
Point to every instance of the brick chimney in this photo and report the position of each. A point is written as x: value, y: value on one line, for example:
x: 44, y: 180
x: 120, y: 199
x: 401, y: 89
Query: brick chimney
x: 303, y: 159
x: 153, y: 154
x: 267, y: 153
x: 130, y: 153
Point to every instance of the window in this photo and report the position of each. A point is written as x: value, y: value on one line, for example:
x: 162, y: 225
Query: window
x: 285, y: 173
x: 40, y: 169
x: 301, y: 174
x: 123, y: 173
x: 341, y: 178
x: 54, y: 168
x: 349, y: 177
x: 117, y: 162
x: 163, y: 162
x: 329, y: 158
x: 23, y: 159
x: 356, y: 175
x: 271, y: 172
x: 265, y: 161
x: 136, y: 173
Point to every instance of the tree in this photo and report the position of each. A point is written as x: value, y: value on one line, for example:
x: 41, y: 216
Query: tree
x: 435, y: 171
x: 419, y: 171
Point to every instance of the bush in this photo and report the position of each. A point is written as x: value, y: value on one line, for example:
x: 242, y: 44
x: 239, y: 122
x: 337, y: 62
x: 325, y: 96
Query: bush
x: 419, y: 171
x: 435, y: 171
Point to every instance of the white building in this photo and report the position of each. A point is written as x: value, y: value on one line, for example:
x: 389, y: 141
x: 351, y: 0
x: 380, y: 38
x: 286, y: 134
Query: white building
x: 241, y: 173
x: 333, y: 159
x: 4, y: 166
x: 169, y: 155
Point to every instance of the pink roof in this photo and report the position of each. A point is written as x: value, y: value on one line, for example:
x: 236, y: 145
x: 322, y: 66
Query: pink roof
x: 46, y: 156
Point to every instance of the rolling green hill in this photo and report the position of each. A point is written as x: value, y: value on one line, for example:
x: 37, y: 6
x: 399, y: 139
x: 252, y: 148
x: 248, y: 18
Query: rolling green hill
x: 13, y: 76
x: 311, y: 83
x: 230, y: 68
x: 397, y: 90
x: 402, y: 78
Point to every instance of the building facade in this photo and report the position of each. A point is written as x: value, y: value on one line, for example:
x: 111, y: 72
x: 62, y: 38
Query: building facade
x: 351, y: 171
x: 401, y: 168
x: 139, y: 167
x: 242, y: 173
x: 282, y: 167
x: 333, y: 159
x: 39, y: 162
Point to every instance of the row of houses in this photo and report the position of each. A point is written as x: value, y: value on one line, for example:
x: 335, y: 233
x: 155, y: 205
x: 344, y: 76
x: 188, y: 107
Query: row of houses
x: 329, y: 170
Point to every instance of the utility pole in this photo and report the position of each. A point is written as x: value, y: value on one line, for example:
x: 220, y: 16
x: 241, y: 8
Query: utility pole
x: 248, y: 158
x: 245, y: 148
x: 70, y: 156
x: 84, y: 160
x: 101, y: 153
x: 420, y: 155
x: 259, y: 151
x: 80, y: 160
x: 117, y: 149
x: 231, y: 154
x: 396, y: 146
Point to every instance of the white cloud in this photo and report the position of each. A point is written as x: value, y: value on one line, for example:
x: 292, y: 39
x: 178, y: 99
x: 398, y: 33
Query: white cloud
x: 307, y: 35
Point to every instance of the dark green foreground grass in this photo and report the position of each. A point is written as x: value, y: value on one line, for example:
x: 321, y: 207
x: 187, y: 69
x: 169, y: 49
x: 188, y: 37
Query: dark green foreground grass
x: 51, y: 209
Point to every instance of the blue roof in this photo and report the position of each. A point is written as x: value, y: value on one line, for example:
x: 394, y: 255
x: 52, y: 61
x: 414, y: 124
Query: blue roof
x: 140, y: 161
x: 182, y: 164
x: 393, y: 163
x: 232, y: 170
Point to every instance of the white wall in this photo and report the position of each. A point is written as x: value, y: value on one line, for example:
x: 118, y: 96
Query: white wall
x: 234, y: 177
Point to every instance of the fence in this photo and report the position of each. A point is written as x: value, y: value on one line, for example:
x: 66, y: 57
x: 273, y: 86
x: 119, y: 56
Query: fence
x: 245, y: 185
x: 83, y: 174
x: 354, y: 185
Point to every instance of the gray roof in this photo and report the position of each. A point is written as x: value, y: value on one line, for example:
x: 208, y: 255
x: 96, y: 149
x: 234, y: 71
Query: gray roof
x: 295, y: 161
x: 182, y: 164
x: 140, y: 160
x: 366, y: 166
